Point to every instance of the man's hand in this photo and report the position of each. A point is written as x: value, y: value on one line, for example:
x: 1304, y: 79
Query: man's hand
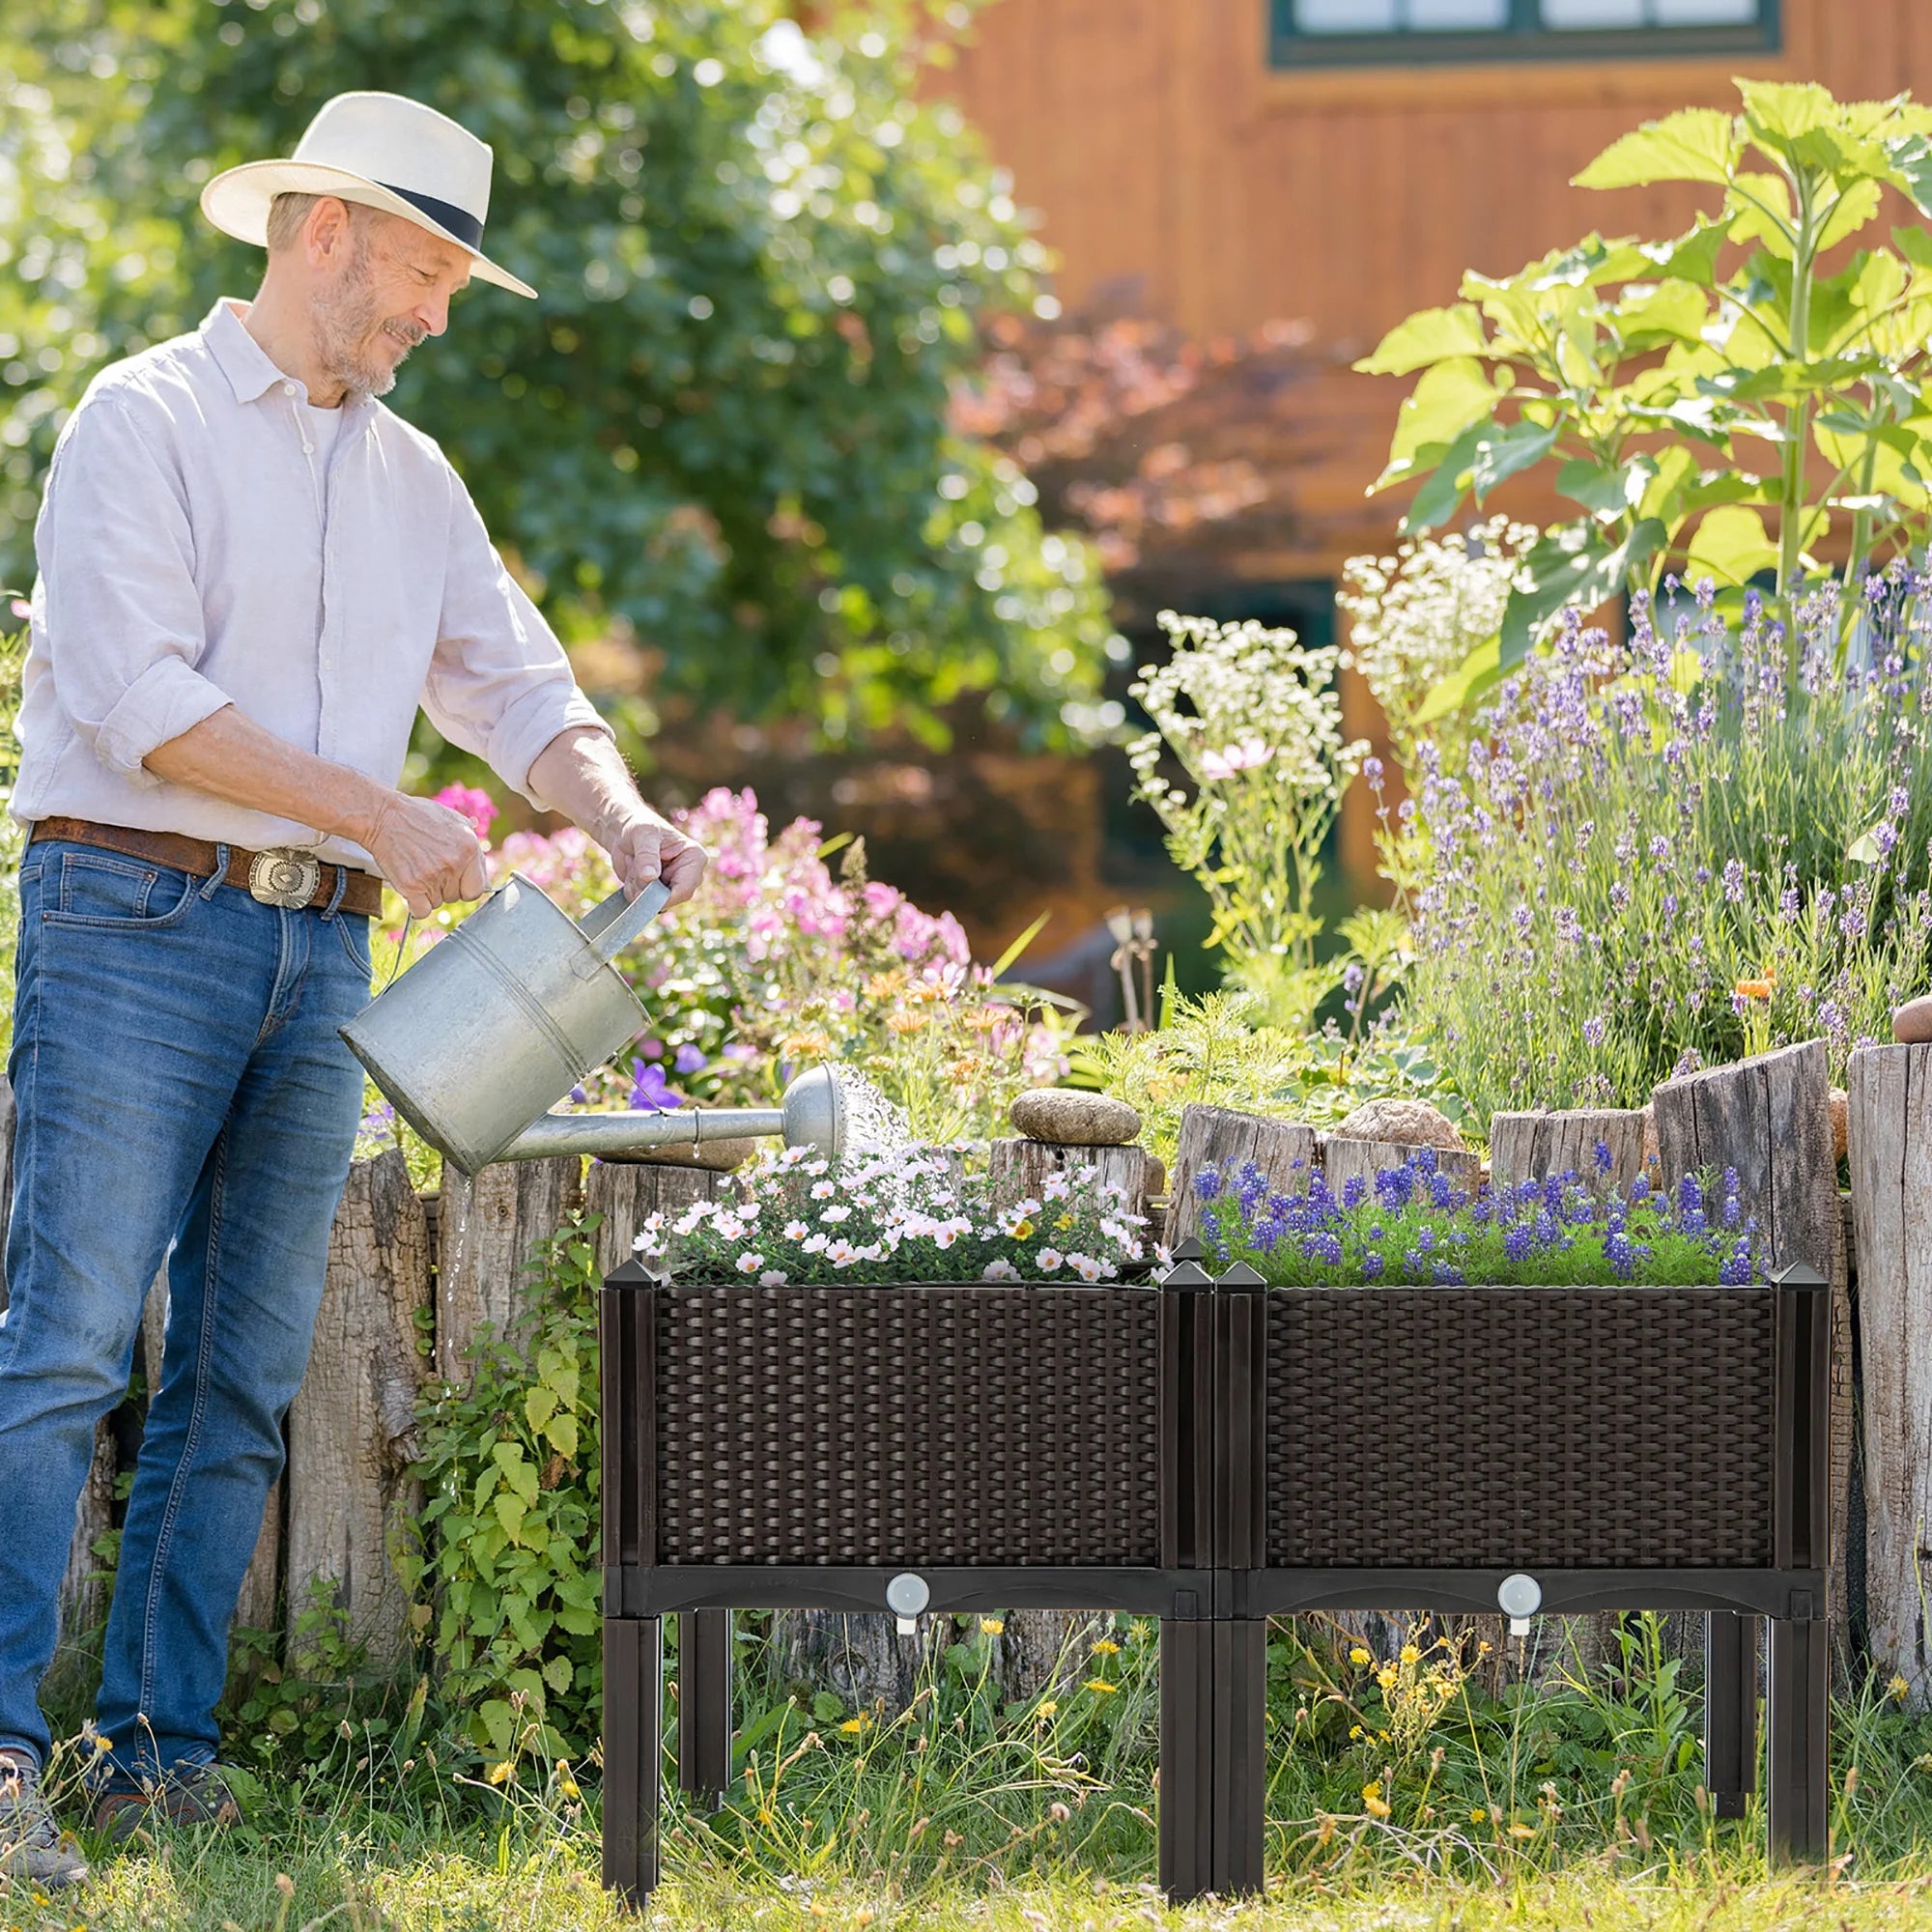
x: 646, y: 849
x: 429, y: 853
x: 582, y: 772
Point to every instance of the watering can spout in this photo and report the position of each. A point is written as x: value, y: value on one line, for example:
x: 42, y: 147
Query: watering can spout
x: 811, y: 1114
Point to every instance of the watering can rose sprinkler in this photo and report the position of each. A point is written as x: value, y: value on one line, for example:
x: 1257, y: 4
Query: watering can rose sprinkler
x: 488, y: 1031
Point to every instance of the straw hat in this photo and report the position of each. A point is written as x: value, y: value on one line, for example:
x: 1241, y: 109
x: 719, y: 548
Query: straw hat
x: 384, y: 151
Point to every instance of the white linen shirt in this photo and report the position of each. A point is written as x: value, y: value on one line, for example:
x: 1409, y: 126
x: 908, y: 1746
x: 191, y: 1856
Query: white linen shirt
x: 194, y: 551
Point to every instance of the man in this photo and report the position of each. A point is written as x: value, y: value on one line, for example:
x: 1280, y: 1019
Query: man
x: 251, y: 573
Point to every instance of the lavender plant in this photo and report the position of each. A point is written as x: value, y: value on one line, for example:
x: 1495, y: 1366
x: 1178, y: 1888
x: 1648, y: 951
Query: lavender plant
x: 1416, y: 1226
x: 910, y: 1214
x: 1672, y: 851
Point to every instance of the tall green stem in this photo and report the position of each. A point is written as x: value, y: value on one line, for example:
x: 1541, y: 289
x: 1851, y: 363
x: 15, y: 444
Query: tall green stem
x: 1798, y: 419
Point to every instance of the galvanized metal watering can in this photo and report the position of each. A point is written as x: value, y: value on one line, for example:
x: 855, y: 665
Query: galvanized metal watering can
x: 490, y: 1028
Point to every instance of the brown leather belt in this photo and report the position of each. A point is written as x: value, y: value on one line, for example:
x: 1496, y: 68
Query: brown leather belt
x: 276, y: 878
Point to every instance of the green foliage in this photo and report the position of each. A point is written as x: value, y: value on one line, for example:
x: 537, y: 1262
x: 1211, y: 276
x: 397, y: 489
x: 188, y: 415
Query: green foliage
x: 724, y: 425
x: 509, y: 1553
x: 1210, y: 1051
x: 1685, y: 387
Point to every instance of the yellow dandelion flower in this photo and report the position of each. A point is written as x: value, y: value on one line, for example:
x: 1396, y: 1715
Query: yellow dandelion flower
x: 1409, y: 1654
x: 568, y: 1786
x: 1521, y: 1830
x: 498, y: 1774
x: 854, y: 1726
x: 993, y: 1626
x: 1373, y: 1802
x: 1101, y: 1686
x: 1898, y: 1689
x: 1050, y: 1707
x: 1106, y: 1647
x: 1478, y: 1815
x: 1359, y: 1657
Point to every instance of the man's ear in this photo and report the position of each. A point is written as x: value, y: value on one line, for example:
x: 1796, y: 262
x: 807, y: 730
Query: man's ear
x: 329, y: 232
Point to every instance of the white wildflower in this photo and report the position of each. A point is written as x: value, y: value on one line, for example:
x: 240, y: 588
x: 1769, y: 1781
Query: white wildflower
x: 999, y: 1268
x: 749, y: 1263
x: 1048, y: 1261
x: 772, y: 1278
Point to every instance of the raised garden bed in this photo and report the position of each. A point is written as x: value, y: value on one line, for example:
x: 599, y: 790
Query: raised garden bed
x: 1212, y: 1454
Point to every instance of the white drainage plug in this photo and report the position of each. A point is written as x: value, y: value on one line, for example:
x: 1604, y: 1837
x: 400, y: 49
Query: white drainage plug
x: 906, y: 1595
x: 1518, y: 1598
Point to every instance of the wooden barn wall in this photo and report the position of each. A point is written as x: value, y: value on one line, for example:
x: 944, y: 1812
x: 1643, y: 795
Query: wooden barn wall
x: 1161, y: 150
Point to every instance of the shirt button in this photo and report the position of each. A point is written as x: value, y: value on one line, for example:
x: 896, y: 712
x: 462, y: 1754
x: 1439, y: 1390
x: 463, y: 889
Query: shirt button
x: 287, y: 388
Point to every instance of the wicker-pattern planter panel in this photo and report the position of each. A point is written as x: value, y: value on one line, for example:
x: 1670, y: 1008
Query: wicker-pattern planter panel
x: 1476, y: 1427
x: 941, y: 1425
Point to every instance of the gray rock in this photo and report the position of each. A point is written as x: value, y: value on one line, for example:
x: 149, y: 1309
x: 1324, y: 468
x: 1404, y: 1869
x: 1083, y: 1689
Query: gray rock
x: 1403, y: 1122
x: 1912, y: 1023
x: 1068, y: 1117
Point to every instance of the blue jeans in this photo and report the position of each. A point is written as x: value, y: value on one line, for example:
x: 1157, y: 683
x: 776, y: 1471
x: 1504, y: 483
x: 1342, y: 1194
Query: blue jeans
x: 178, y: 1079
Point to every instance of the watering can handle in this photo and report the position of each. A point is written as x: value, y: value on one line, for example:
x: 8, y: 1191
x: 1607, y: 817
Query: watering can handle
x: 629, y: 920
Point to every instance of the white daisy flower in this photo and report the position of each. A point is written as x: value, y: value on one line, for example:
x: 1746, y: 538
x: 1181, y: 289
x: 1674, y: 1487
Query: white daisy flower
x: 836, y: 1213
x: 796, y: 1230
x: 944, y: 1235
x: 815, y: 1244
x: 841, y: 1254
x: 1084, y: 1267
x: 824, y: 1191
x: 749, y: 1263
x: 772, y: 1278
x: 1048, y: 1261
x: 999, y: 1268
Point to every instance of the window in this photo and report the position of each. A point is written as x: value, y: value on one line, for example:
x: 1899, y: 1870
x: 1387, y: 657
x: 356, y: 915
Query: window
x: 1337, y: 33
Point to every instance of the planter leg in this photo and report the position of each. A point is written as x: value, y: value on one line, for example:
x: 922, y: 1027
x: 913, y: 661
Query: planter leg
x: 632, y: 1683
x: 704, y: 1705
x: 1186, y: 1758
x: 1800, y: 1779
x: 1241, y: 1758
x: 1731, y: 1710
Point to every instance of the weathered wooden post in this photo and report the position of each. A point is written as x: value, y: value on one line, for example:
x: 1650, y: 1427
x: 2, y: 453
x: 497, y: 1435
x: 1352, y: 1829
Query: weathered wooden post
x: 488, y: 1227
x: 1285, y: 1152
x: 1890, y: 1155
x: 352, y: 1431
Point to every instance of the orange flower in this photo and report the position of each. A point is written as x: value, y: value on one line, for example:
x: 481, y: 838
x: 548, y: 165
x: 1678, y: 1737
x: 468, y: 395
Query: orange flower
x: 1757, y: 989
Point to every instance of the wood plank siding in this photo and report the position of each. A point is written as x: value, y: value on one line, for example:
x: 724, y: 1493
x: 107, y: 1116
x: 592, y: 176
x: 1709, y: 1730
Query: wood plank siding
x: 1163, y: 150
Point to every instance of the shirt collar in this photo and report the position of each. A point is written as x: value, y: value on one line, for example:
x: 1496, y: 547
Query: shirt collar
x: 250, y: 370
x: 247, y: 365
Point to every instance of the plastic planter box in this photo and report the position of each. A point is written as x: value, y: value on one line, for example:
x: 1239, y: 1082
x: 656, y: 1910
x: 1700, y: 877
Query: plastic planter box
x: 1211, y: 1452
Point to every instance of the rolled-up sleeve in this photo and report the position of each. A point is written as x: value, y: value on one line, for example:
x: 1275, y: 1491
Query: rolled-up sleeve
x: 124, y: 617
x: 498, y: 684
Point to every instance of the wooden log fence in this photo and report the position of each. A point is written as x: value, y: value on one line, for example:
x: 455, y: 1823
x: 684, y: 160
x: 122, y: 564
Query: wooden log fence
x: 346, y: 1491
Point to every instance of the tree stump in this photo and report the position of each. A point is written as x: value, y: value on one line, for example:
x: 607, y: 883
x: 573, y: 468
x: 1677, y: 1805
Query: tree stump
x: 625, y: 1194
x: 351, y: 1432
x: 861, y: 1659
x: 1890, y: 1154
x: 1285, y: 1152
x: 1770, y: 1118
x: 487, y: 1229
x: 1532, y: 1146
x: 1344, y: 1161
x: 1021, y: 1168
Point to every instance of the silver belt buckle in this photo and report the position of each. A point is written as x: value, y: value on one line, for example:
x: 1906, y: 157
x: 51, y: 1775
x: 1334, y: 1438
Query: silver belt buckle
x: 282, y: 876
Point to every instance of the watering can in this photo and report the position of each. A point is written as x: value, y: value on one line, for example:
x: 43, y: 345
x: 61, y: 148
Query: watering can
x: 490, y: 1028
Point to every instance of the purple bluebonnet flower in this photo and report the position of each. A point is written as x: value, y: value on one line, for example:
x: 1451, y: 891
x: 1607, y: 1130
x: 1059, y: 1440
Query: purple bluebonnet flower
x: 1354, y: 1191
x: 649, y: 1093
x: 1372, y: 1265
x: 1208, y: 1183
x: 1733, y: 1211
x: 1323, y: 1248
x: 1600, y: 1157
x: 1517, y: 1243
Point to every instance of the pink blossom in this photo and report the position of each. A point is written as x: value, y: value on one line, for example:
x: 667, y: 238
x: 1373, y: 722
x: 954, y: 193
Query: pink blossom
x: 475, y: 804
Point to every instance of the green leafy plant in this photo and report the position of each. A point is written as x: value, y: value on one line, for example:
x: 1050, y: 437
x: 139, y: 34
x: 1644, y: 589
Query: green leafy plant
x: 1209, y: 1050
x: 508, y: 1558
x: 1684, y: 388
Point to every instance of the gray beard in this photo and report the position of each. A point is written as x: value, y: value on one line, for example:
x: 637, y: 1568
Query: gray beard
x: 342, y: 322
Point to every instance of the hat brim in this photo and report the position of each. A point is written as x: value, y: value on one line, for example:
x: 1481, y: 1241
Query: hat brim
x: 238, y: 200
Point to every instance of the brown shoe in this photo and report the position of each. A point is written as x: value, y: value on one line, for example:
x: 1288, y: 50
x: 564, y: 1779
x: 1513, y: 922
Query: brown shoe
x: 192, y: 1794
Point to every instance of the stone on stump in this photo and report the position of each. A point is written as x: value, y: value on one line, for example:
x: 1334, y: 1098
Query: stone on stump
x: 1070, y: 1117
x: 1407, y: 1123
